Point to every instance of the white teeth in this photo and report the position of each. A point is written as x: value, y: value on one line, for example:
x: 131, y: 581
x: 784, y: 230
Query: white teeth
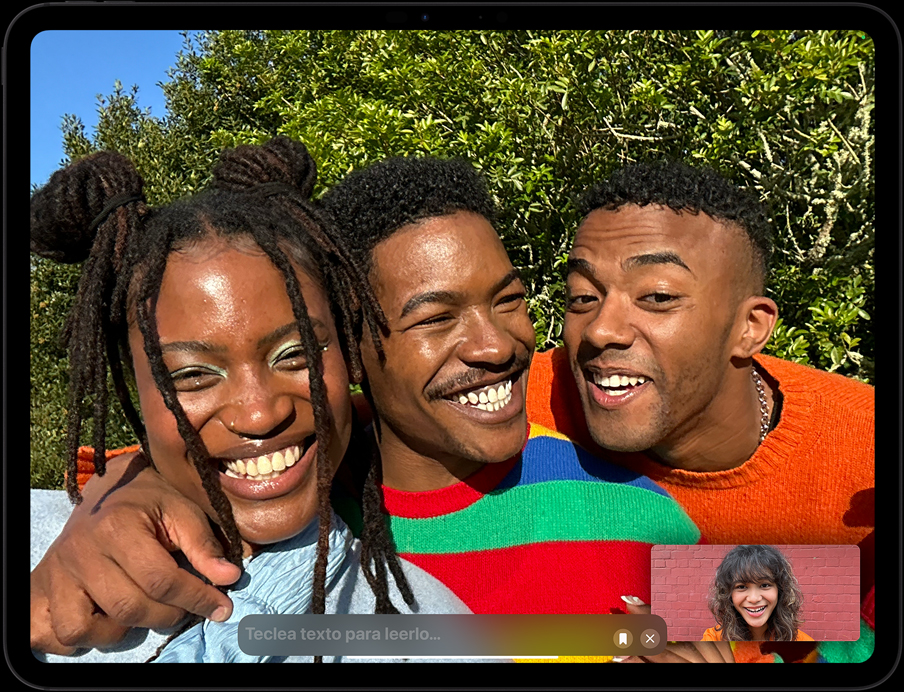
x: 613, y: 381
x: 264, y: 467
x: 490, y: 399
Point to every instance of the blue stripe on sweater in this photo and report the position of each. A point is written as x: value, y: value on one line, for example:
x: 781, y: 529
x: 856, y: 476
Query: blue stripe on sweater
x: 552, y: 459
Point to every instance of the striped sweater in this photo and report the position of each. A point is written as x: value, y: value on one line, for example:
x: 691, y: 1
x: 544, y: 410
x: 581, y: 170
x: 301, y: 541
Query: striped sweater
x: 553, y: 530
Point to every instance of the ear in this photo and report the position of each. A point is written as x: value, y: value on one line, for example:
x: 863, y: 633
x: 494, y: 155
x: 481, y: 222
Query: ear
x: 756, y: 320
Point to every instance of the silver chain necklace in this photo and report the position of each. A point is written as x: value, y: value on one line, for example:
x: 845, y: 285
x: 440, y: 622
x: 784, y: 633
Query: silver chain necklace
x: 764, y: 406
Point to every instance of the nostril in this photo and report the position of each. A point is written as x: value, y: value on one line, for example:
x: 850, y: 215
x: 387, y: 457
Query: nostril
x: 259, y: 421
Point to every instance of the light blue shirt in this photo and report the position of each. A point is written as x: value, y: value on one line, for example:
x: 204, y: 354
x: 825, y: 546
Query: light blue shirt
x: 278, y: 580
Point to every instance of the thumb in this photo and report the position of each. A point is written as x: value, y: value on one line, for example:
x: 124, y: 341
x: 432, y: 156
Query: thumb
x: 635, y: 606
x: 186, y: 528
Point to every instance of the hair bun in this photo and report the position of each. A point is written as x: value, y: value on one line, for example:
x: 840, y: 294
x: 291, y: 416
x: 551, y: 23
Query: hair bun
x: 281, y: 160
x: 63, y: 210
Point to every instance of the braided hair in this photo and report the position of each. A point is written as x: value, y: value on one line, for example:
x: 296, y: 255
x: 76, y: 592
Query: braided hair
x: 94, y: 212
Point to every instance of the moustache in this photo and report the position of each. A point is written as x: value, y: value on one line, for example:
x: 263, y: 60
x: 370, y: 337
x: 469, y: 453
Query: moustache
x: 472, y: 376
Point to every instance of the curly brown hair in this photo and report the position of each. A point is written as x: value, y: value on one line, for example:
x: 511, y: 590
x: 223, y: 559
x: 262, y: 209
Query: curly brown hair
x: 752, y: 563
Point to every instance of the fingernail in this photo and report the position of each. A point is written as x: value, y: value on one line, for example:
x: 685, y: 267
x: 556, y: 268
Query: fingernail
x: 628, y: 599
x: 221, y: 614
x: 620, y: 659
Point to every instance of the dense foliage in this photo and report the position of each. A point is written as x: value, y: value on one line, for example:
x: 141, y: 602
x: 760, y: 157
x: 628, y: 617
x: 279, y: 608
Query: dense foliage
x: 543, y: 115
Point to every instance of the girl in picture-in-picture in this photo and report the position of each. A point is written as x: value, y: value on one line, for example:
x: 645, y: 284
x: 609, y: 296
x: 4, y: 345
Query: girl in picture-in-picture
x: 755, y: 597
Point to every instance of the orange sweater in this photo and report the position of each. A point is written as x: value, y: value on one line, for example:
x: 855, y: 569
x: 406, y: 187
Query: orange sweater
x: 810, y: 482
x: 714, y: 635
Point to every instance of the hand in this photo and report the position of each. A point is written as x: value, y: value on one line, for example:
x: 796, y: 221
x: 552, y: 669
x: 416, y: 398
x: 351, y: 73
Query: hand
x: 111, y: 569
x: 677, y: 652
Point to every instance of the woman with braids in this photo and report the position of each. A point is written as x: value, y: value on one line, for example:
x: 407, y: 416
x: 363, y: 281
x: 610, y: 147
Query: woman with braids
x: 755, y: 597
x: 220, y: 305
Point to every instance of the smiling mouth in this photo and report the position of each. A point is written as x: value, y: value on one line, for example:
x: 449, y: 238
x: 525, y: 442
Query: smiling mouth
x: 755, y: 611
x: 266, y: 466
x: 487, y: 398
x: 618, y: 385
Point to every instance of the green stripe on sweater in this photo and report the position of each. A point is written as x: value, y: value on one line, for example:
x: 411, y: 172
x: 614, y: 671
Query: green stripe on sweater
x: 548, y: 512
x: 850, y: 652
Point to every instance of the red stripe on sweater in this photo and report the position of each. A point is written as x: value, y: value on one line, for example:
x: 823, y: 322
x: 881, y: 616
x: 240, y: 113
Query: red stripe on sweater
x: 424, y: 504
x: 567, y: 577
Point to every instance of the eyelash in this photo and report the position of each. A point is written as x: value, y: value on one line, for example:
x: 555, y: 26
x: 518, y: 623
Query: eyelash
x: 510, y: 301
x: 668, y: 298
x: 512, y: 298
x: 297, y: 351
x: 185, y: 375
x: 194, y: 372
x: 740, y: 587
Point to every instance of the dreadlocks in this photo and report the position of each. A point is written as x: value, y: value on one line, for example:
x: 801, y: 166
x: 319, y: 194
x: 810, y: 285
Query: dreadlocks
x: 94, y: 211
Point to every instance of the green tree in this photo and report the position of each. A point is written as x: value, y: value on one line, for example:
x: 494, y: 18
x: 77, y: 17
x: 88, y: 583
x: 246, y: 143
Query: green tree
x: 543, y: 115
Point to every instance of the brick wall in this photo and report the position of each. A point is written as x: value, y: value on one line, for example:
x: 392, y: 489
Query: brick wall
x: 829, y: 577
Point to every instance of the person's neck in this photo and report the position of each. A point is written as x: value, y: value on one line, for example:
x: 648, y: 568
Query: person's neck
x: 758, y: 633
x: 407, y: 469
x: 724, y: 435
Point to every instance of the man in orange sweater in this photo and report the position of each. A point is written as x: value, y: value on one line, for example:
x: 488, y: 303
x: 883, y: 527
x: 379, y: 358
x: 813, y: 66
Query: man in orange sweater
x: 665, y: 320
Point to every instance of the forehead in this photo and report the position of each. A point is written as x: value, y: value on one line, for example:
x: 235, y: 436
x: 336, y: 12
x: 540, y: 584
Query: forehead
x: 457, y: 252
x: 632, y: 230
x: 219, y: 286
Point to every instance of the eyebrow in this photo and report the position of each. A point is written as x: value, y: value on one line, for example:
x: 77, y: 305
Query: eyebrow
x: 448, y: 297
x: 582, y: 266
x: 192, y: 347
x: 664, y: 257
x: 207, y: 347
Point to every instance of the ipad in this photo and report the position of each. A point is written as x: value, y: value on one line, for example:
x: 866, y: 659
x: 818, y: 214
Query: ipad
x: 545, y: 101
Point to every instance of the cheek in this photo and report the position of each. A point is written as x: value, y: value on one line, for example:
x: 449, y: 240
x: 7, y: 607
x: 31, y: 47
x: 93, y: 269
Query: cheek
x: 573, y: 326
x: 339, y: 402
x: 167, y: 447
x: 521, y: 325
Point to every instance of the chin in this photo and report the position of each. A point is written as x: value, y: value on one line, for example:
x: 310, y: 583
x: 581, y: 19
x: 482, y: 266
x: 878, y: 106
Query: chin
x: 623, y: 443
x: 497, y: 454
x: 273, y: 528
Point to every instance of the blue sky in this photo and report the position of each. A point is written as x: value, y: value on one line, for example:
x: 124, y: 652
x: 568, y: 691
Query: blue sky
x: 69, y: 69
